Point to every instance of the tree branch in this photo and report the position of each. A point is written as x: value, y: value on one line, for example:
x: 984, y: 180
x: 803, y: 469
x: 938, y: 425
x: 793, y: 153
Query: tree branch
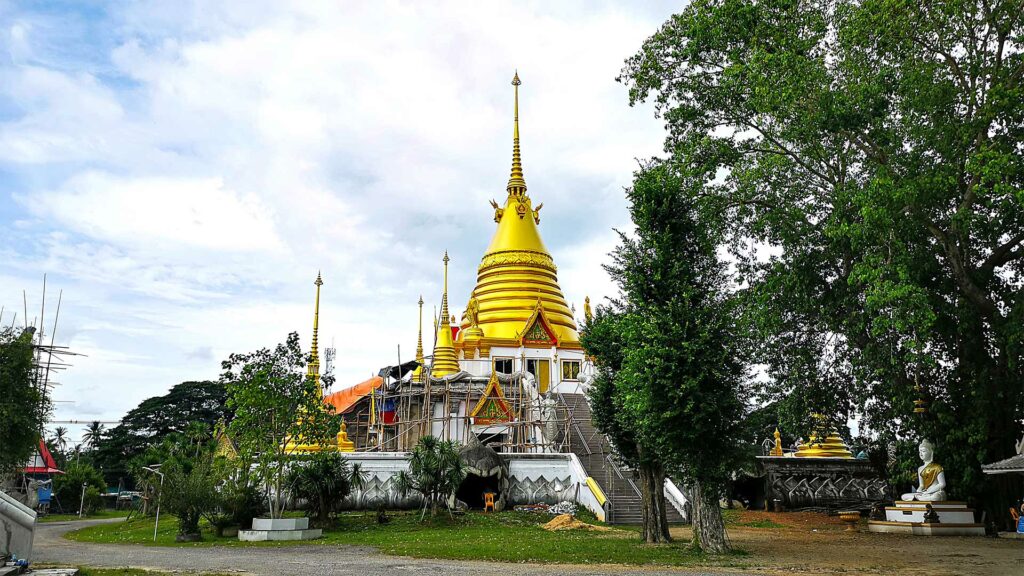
x: 1003, y: 254
x: 976, y: 295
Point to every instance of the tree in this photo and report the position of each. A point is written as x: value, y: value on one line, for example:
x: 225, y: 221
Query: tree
x: 25, y: 404
x: 435, y: 471
x: 190, y: 493
x: 93, y: 435
x: 874, y: 147
x: 274, y: 400
x: 67, y: 487
x: 669, y: 364
x: 156, y: 418
x: 323, y: 480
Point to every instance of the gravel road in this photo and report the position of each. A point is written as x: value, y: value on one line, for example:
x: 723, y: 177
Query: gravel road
x: 315, y: 560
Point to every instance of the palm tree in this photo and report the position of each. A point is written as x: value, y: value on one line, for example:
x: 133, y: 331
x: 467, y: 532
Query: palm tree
x: 435, y: 471
x: 197, y: 433
x: 60, y: 438
x: 93, y: 434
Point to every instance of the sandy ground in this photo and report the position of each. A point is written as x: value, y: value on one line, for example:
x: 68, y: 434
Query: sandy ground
x: 816, y: 544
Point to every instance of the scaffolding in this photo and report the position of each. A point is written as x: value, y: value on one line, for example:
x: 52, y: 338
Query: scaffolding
x: 406, y: 408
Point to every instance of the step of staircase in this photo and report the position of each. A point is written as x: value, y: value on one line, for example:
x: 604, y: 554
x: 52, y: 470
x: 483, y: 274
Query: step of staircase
x: 595, y: 452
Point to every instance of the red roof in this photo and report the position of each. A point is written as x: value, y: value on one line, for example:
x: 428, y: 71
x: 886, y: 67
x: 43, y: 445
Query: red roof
x: 42, y: 462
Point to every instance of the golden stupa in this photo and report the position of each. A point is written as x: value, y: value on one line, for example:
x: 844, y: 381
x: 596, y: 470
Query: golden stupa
x: 517, y: 279
x: 831, y: 447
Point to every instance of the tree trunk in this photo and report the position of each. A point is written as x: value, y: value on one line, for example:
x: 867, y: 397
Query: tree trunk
x: 323, y: 512
x: 652, y: 495
x: 708, y: 525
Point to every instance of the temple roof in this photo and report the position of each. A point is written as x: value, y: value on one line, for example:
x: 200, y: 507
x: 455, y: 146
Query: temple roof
x: 516, y: 269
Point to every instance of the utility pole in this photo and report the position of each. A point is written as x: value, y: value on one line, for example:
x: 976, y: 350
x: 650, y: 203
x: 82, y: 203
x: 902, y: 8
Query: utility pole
x: 159, y: 495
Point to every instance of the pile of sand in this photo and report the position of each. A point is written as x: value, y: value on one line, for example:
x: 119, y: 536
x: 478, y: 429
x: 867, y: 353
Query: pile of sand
x: 569, y: 522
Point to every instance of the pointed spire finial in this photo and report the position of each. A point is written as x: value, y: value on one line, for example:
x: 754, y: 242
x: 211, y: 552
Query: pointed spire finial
x: 516, y: 182
x: 417, y: 375
x: 313, y: 370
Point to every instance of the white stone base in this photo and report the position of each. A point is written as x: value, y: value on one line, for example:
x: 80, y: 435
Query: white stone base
x: 265, y: 535
x: 280, y: 523
x: 955, y: 519
x: 925, y: 529
x: 264, y: 529
x: 915, y: 513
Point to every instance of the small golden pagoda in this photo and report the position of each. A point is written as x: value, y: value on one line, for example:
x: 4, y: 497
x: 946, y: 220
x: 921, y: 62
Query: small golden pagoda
x: 417, y: 374
x: 516, y: 270
x: 831, y: 447
x: 342, y: 443
x: 445, y: 360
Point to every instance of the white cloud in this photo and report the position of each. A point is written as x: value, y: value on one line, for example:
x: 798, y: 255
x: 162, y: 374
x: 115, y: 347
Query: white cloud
x: 185, y: 187
x: 179, y: 212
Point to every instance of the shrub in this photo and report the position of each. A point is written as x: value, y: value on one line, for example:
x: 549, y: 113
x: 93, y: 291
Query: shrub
x: 323, y: 481
x: 67, y: 487
x: 189, y: 493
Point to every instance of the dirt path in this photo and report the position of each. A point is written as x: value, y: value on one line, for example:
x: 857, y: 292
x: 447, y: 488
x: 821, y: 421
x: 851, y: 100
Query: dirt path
x: 815, y: 544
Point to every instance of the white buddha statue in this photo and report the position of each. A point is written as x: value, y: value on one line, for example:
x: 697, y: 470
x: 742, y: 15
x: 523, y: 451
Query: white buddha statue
x: 931, y: 485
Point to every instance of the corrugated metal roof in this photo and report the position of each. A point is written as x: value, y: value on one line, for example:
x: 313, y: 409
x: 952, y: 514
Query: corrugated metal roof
x: 1012, y: 464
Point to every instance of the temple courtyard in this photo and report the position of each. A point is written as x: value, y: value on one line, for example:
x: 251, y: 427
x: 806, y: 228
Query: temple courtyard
x: 788, y: 543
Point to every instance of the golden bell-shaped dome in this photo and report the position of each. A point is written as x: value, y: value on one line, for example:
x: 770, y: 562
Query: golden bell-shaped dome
x: 516, y: 270
x: 831, y: 446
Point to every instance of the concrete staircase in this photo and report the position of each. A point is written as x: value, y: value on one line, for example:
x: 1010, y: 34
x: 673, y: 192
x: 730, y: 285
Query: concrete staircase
x: 595, y: 453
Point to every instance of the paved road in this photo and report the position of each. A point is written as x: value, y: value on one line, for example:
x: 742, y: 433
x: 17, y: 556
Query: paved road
x: 311, y: 560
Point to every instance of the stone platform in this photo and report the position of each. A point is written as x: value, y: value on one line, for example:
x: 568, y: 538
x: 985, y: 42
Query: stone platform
x: 822, y: 483
x: 264, y: 529
x: 907, y: 517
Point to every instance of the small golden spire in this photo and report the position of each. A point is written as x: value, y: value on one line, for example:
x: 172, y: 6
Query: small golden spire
x: 516, y: 182
x: 419, y: 346
x: 444, y: 361
x: 313, y: 370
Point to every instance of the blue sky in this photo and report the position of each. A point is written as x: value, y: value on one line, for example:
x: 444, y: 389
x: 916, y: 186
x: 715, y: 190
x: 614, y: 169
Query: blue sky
x: 183, y: 170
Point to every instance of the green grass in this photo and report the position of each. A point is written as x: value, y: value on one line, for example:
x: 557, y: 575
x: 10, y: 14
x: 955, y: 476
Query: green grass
x: 503, y: 537
x: 71, y: 517
x: 86, y: 571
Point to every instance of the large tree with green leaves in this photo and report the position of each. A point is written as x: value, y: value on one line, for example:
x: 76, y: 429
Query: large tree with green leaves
x: 667, y: 351
x: 867, y: 156
x: 182, y: 410
x: 24, y: 403
x: 274, y: 401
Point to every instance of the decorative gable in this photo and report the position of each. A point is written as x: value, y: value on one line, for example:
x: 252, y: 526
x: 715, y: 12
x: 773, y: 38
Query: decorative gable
x: 492, y: 407
x: 538, y: 330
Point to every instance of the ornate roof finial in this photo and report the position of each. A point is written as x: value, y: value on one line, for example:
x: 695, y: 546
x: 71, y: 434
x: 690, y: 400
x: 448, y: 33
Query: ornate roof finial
x: 516, y: 182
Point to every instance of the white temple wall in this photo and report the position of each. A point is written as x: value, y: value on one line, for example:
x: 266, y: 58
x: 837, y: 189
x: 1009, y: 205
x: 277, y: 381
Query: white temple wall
x: 533, y: 479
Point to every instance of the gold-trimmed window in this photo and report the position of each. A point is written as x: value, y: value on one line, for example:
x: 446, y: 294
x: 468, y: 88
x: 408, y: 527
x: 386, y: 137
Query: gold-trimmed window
x: 570, y: 369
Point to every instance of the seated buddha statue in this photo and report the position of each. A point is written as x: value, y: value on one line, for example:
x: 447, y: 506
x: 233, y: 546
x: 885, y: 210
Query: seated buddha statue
x: 931, y: 486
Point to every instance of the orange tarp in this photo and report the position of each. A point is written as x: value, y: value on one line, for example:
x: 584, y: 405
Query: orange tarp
x: 342, y: 400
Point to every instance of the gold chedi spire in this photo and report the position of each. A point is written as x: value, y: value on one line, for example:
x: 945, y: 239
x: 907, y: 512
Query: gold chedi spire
x: 516, y: 182
x: 313, y: 370
x: 445, y: 361
x: 517, y: 268
x: 417, y: 374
